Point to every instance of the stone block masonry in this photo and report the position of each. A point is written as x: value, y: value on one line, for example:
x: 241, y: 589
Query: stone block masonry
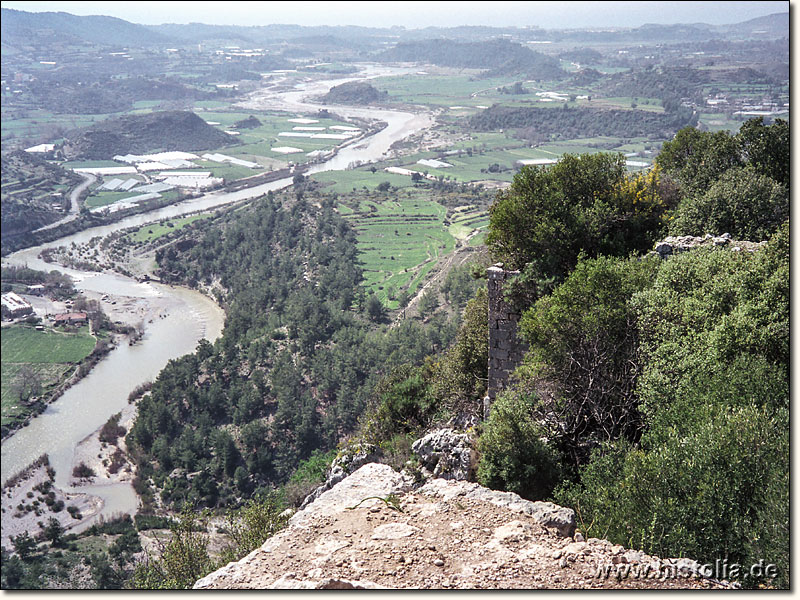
x: 505, y: 348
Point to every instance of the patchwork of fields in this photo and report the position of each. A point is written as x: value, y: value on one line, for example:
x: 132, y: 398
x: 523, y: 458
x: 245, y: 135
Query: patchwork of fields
x: 402, y: 236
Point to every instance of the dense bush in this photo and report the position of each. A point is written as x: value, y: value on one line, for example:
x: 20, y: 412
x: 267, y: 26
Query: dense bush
x: 742, y: 202
x: 583, y: 360
x: 697, y: 159
x: 181, y: 561
x: 583, y: 204
x: 709, y: 479
x: 460, y: 376
x: 513, y: 455
x: 403, y: 403
x: 310, y: 473
x: 112, y: 430
x: 253, y: 524
x: 717, y: 491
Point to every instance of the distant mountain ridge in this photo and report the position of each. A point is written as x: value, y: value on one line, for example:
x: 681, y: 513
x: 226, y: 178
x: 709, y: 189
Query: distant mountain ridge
x: 21, y: 27
x: 18, y: 25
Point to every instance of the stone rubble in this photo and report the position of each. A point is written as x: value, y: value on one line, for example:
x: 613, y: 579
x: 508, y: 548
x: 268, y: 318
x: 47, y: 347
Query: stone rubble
x: 683, y: 243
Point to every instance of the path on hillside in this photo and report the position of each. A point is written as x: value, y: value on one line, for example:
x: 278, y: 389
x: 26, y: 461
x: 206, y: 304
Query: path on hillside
x: 456, y: 258
x: 74, y: 198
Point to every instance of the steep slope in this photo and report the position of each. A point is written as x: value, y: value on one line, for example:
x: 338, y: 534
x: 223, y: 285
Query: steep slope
x: 372, y: 531
x: 28, y: 199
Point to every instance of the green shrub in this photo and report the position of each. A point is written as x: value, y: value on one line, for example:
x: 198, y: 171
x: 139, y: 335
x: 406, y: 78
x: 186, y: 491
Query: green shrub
x: 709, y: 479
x: 460, y: 376
x: 112, y: 430
x: 309, y: 474
x: 251, y: 525
x: 716, y: 492
x: 83, y: 471
x: 181, y: 562
x: 583, y: 360
x: 513, y: 456
x: 741, y: 202
x: 403, y: 403
x: 585, y: 203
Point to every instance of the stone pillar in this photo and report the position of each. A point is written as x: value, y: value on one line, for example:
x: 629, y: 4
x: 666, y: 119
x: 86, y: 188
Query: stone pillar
x: 505, y: 349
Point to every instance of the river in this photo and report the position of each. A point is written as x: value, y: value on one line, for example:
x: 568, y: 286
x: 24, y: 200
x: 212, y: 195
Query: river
x: 188, y: 316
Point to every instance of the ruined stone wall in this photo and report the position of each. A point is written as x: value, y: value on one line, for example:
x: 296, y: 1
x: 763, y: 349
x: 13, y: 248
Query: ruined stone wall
x: 505, y: 349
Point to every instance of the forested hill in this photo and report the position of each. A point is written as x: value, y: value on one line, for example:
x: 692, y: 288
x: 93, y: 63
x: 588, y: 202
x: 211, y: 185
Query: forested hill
x: 21, y: 28
x: 293, y: 370
x: 496, y: 56
x: 571, y: 122
x: 137, y: 134
x: 355, y: 92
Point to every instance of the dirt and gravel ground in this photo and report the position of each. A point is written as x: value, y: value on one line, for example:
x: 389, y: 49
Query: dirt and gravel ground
x: 447, y: 535
x: 16, y: 521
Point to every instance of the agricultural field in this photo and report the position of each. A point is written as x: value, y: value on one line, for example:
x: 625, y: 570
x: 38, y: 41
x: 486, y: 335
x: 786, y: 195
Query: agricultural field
x: 257, y: 143
x: 38, y: 358
x: 496, y: 157
x: 402, y: 235
x: 443, y: 90
x: 148, y: 233
x: 362, y: 178
x: 30, y: 124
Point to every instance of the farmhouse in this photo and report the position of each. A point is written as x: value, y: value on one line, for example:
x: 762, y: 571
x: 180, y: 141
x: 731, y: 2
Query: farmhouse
x: 14, y: 306
x: 73, y: 318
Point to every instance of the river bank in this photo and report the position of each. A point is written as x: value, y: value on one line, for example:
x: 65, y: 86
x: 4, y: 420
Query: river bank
x: 177, y: 319
x: 32, y: 499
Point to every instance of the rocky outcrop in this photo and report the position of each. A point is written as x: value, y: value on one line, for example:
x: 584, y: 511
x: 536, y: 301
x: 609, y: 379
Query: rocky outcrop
x: 347, y: 462
x: 683, y: 243
x: 372, y: 530
x: 447, y: 454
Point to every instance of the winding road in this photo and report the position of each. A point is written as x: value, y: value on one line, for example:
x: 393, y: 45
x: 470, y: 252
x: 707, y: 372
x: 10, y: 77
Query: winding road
x: 74, y: 202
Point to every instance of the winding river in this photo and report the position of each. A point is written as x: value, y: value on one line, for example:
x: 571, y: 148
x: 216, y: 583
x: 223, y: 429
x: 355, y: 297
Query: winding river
x: 189, y: 316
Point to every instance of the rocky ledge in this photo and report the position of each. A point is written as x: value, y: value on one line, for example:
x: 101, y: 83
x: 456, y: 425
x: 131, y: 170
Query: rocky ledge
x: 373, y: 530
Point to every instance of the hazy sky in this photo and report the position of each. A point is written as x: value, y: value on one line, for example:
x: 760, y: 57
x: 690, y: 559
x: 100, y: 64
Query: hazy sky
x: 419, y: 14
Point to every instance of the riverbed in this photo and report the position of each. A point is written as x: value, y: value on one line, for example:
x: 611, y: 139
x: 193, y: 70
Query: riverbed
x: 184, y: 316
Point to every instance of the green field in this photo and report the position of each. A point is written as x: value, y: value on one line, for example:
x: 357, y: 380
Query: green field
x: 401, y: 237
x: 260, y: 140
x: 38, y: 122
x: 443, y: 90
x: 106, y: 198
x: 49, y: 356
x: 148, y: 233
x: 345, y: 182
x: 27, y: 345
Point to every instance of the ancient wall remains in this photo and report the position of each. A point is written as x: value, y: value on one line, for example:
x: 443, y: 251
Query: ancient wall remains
x: 505, y: 349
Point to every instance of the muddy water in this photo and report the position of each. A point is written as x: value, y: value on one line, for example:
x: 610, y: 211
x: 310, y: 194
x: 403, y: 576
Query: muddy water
x: 186, y: 316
